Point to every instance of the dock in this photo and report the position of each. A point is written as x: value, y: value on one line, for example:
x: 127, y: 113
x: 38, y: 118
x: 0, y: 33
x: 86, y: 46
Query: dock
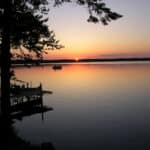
x: 26, y: 101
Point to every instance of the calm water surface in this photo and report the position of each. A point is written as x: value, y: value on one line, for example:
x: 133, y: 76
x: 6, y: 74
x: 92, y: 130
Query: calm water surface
x: 96, y: 106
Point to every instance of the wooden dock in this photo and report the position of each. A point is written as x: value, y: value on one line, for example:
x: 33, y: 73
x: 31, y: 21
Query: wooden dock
x: 26, y: 101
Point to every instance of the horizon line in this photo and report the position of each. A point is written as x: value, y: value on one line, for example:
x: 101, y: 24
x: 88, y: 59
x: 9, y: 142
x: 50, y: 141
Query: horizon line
x: 19, y: 61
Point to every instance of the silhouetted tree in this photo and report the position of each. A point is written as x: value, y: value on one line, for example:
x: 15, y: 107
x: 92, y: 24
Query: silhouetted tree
x: 23, y: 26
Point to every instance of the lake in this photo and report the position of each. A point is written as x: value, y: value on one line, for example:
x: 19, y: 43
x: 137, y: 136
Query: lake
x: 97, y: 106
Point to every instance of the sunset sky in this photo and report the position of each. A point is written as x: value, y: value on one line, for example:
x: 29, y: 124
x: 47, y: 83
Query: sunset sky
x: 126, y: 37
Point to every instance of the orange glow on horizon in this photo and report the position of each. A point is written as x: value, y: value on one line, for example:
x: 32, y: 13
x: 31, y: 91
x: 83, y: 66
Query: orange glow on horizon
x: 94, y: 53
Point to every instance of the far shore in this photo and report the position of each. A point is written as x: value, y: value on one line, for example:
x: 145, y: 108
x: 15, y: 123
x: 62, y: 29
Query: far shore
x: 39, y: 62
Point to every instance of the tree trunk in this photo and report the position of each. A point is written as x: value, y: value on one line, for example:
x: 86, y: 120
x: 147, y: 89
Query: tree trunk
x: 5, y: 60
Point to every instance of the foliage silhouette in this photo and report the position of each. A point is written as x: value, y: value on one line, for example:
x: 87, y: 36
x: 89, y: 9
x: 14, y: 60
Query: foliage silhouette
x: 98, y: 11
x: 10, y: 139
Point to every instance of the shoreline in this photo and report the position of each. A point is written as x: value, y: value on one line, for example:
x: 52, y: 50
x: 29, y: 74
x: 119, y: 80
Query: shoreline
x: 67, y: 61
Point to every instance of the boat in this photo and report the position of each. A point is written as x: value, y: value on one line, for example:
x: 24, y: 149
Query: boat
x: 57, y: 67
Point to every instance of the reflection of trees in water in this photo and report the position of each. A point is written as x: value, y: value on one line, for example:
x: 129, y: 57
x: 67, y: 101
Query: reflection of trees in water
x: 11, y: 141
x: 8, y: 135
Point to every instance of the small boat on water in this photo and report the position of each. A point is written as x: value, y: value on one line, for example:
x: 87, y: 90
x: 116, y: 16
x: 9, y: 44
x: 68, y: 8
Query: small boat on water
x: 57, y: 67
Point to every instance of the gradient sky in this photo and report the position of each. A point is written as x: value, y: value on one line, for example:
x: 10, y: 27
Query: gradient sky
x: 126, y: 37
